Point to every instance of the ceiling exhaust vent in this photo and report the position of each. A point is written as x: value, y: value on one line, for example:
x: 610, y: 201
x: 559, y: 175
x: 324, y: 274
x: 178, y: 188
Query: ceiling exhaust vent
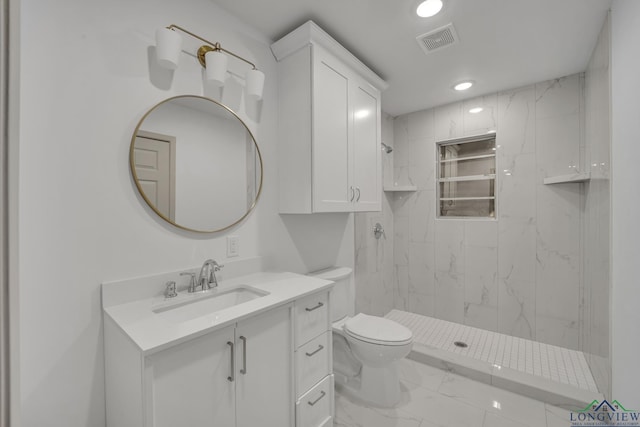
x: 438, y: 39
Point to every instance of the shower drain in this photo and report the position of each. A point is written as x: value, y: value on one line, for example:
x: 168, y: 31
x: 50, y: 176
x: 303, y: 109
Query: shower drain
x: 461, y: 344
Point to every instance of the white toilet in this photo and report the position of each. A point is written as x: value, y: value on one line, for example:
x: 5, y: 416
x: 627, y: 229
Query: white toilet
x: 365, y: 348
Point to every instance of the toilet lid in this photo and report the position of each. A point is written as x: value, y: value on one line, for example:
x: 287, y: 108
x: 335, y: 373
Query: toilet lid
x: 377, y: 329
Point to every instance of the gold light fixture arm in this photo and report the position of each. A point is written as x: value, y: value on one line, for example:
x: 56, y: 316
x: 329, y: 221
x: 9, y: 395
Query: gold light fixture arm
x: 210, y: 46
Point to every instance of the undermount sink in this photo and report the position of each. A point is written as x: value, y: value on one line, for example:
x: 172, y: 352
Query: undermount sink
x: 208, y: 302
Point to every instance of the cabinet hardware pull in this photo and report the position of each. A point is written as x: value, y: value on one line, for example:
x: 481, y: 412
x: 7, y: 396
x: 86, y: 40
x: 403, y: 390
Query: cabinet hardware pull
x: 320, y: 347
x: 358, y: 199
x: 322, y: 394
x: 243, y: 371
x: 353, y: 194
x: 233, y: 363
x: 315, y: 308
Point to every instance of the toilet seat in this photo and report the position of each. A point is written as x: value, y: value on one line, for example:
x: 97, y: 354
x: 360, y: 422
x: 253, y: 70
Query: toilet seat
x: 377, y: 330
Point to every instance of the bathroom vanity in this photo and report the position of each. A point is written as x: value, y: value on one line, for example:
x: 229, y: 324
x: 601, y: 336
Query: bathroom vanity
x: 256, y: 350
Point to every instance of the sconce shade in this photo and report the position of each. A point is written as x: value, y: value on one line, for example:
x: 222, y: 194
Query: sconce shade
x: 255, y: 84
x: 168, y: 46
x: 216, y: 71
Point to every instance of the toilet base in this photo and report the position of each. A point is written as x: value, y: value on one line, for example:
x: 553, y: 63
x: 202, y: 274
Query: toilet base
x: 375, y: 386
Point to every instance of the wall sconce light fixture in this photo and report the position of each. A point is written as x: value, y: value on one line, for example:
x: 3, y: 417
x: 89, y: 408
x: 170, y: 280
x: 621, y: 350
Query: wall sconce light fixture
x: 211, y: 56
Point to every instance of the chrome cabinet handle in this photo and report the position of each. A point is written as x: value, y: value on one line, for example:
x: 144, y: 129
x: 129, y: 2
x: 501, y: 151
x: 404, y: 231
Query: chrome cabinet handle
x: 314, y: 308
x: 358, y: 199
x: 353, y: 194
x: 243, y: 371
x: 233, y: 362
x: 320, y: 347
x: 322, y: 394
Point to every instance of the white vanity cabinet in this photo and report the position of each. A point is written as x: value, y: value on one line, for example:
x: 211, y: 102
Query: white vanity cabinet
x: 330, y: 118
x: 241, y: 375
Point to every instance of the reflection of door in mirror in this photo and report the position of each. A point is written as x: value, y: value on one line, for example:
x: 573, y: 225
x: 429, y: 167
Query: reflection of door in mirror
x: 155, y: 166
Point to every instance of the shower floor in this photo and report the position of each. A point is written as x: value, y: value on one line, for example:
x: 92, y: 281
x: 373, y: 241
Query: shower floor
x: 545, y: 372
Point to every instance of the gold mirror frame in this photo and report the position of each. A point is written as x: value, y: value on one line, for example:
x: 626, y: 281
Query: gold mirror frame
x: 152, y: 206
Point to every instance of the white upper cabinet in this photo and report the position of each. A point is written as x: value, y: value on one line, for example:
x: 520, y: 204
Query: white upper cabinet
x: 329, y: 150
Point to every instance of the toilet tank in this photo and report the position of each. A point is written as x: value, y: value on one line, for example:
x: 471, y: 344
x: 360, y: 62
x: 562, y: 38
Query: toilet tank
x: 342, y: 296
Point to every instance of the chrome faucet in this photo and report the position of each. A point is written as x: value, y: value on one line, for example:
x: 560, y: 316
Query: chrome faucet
x: 207, y: 278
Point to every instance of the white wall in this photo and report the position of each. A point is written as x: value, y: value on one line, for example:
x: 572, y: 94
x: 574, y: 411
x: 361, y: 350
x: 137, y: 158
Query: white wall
x: 596, y: 276
x: 13, y: 202
x: 86, y: 81
x: 625, y: 152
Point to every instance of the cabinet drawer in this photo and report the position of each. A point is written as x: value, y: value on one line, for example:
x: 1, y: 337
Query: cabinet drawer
x: 315, y: 408
x: 312, y: 317
x: 313, y: 362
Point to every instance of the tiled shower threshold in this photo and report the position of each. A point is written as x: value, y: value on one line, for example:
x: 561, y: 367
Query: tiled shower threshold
x: 551, y: 374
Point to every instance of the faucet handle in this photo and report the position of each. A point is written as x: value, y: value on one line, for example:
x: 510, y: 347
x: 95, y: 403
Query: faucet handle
x: 212, y: 273
x: 170, y: 290
x: 192, y: 281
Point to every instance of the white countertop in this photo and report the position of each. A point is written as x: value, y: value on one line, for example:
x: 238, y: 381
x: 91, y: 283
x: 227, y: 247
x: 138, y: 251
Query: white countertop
x: 152, y: 333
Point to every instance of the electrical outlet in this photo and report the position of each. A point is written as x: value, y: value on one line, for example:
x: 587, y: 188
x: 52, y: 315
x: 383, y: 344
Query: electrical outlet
x: 233, y: 246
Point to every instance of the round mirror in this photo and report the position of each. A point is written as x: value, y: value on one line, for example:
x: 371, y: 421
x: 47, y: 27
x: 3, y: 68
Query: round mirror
x: 196, y: 164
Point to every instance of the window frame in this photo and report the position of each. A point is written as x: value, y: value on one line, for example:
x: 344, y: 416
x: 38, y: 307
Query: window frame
x: 467, y: 140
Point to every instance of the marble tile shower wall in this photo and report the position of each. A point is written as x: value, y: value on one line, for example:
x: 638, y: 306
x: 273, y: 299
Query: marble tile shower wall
x: 374, y: 265
x: 518, y: 274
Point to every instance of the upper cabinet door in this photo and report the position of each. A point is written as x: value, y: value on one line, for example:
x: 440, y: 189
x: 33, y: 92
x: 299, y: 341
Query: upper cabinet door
x: 328, y: 150
x: 367, y: 168
x: 331, y: 150
x: 188, y: 384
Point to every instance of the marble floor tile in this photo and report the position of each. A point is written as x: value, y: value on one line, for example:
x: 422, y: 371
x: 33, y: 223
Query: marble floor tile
x: 557, y: 417
x: 436, y: 398
x: 415, y: 374
x: 494, y: 400
x: 440, y: 410
x: 351, y: 414
x: 494, y: 420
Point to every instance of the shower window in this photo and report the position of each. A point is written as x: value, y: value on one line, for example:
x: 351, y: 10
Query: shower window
x: 466, y: 177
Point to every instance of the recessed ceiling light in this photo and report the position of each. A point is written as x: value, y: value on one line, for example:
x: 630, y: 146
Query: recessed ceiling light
x: 463, y: 86
x: 429, y: 8
x: 475, y: 110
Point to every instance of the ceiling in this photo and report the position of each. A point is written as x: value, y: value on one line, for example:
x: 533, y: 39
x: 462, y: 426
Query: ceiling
x: 503, y: 44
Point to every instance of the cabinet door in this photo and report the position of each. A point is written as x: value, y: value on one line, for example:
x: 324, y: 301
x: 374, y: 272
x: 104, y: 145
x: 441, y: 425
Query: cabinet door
x: 367, y: 170
x: 187, y: 384
x: 264, y: 362
x: 331, y: 171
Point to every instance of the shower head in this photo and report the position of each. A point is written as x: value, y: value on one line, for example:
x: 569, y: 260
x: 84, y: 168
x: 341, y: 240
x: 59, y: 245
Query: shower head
x: 386, y: 148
